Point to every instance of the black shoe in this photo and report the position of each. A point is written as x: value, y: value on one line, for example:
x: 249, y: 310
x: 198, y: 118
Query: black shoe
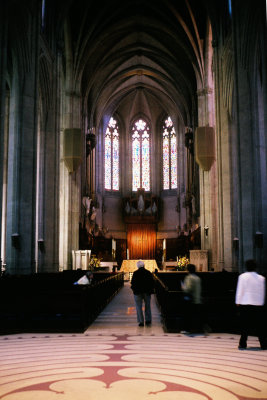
x: 148, y: 323
x: 141, y: 324
x: 242, y: 348
x: 263, y: 347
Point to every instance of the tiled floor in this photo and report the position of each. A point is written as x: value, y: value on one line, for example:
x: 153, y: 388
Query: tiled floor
x: 120, y: 316
x: 115, y: 359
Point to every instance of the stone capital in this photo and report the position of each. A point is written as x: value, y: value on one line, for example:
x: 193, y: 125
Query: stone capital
x: 204, y: 91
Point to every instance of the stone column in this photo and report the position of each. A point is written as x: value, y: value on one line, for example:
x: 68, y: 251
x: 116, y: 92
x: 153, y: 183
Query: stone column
x: 47, y: 229
x: 3, y: 59
x: 4, y: 171
x: 70, y: 187
x: 21, y: 194
x: 248, y: 175
x: 223, y: 165
x: 208, y: 183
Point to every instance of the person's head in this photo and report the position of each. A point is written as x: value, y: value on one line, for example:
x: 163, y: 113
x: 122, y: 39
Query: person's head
x: 191, y: 268
x: 140, y: 264
x: 251, y: 265
x: 89, y: 275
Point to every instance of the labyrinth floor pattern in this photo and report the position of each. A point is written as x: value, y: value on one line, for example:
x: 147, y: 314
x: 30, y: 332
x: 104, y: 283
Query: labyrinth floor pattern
x: 132, y: 367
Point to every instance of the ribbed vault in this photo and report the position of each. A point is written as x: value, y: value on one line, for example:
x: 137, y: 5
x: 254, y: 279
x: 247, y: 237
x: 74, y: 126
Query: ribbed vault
x: 117, y: 48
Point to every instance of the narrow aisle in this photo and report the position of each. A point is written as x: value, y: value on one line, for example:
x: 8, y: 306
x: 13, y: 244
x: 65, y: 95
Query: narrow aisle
x: 120, y: 316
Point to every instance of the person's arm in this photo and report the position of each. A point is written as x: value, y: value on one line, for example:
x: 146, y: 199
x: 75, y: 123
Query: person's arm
x: 263, y: 290
x: 239, y: 291
x: 133, y: 281
x: 187, y: 284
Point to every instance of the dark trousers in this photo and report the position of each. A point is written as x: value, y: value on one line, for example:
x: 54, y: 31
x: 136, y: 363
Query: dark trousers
x: 252, y: 323
x: 139, y: 299
x: 193, y: 317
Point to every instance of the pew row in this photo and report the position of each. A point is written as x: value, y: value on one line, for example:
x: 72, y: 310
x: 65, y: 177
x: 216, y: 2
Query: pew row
x: 219, y: 313
x: 50, y: 302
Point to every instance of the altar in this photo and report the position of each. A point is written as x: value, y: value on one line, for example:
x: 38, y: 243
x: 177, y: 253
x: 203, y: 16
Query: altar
x: 200, y: 259
x: 129, y: 266
x: 80, y: 259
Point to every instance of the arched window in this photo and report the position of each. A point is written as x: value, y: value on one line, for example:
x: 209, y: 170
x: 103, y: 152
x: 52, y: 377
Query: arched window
x: 112, y: 156
x: 140, y: 155
x: 169, y: 155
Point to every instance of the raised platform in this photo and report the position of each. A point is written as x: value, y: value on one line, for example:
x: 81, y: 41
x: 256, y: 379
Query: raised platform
x: 129, y: 266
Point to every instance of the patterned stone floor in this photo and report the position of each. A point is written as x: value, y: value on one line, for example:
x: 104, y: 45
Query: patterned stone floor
x: 115, y: 359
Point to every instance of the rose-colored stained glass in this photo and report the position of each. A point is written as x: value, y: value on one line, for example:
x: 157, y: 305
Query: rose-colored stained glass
x: 140, y: 156
x: 166, y: 163
x: 112, y: 159
x: 169, y: 150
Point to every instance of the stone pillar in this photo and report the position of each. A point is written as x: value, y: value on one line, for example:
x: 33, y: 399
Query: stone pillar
x: 21, y: 194
x: 47, y: 224
x: 248, y: 176
x: 3, y: 59
x: 223, y: 165
x: 208, y: 184
x: 70, y: 187
x: 4, y: 172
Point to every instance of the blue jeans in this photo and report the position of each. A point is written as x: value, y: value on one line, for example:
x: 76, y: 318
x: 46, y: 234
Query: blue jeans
x: 138, y: 298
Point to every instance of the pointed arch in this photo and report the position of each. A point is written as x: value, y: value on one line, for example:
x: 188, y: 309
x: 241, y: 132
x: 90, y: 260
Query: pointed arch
x: 112, y: 156
x: 169, y: 155
x: 140, y: 146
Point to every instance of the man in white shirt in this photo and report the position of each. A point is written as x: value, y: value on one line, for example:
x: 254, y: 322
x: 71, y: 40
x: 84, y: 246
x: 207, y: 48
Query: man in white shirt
x: 250, y: 299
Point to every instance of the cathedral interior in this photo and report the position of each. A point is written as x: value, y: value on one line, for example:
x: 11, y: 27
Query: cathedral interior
x: 125, y: 117
x: 130, y: 129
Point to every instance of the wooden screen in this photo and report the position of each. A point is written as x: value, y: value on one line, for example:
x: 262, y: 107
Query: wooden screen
x: 141, y: 241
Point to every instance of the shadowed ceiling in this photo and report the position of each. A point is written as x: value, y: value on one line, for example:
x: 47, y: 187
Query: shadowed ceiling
x: 147, y: 54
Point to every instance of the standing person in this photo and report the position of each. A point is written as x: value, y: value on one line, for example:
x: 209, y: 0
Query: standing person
x: 250, y: 298
x: 192, y: 299
x: 142, y: 285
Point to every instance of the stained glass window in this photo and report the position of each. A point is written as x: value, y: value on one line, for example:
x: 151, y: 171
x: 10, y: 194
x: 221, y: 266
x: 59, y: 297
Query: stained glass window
x: 169, y: 149
x: 230, y: 6
x: 112, y: 156
x: 140, y: 155
x: 43, y: 14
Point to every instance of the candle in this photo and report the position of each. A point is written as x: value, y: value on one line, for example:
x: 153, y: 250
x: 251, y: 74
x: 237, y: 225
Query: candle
x: 127, y: 254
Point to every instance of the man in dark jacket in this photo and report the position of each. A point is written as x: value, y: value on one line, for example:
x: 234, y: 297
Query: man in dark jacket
x: 142, y: 286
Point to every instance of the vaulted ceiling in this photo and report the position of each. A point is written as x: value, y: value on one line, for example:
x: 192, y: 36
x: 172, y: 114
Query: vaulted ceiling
x: 143, y: 53
x: 124, y: 52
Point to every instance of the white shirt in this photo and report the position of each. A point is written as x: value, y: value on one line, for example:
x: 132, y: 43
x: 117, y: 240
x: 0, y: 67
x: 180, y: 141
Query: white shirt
x: 250, y: 289
x: 83, y: 281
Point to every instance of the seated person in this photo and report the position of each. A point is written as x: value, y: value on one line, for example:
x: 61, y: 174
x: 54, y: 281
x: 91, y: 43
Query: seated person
x: 85, y: 279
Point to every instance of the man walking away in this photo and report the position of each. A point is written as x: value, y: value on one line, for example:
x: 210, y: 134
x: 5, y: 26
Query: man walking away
x: 250, y: 298
x: 142, y: 285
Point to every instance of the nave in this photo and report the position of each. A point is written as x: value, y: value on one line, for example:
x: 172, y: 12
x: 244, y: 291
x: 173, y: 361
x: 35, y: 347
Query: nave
x: 116, y: 359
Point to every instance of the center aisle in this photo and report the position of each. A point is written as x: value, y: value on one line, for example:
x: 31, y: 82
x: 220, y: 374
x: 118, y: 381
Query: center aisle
x: 120, y: 316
